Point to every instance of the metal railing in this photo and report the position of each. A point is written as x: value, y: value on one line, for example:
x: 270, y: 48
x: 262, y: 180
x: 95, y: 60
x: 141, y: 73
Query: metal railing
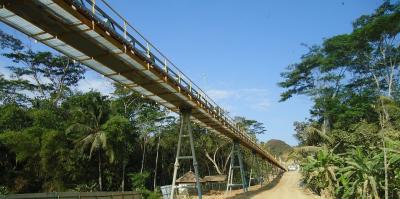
x: 134, y: 40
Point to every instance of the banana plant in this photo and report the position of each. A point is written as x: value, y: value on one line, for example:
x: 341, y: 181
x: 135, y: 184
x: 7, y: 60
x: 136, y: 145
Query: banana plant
x: 320, y: 171
x: 393, y: 149
x: 358, y: 179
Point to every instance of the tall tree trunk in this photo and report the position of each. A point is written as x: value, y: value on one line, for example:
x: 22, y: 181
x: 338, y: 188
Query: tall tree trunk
x: 123, y: 175
x: 386, y: 188
x: 123, y: 167
x: 162, y: 169
x: 100, y: 182
x: 143, y: 155
x: 226, y: 162
x: 155, y: 169
x: 36, y: 78
x: 385, y: 120
x: 325, y: 125
x: 213, y: 161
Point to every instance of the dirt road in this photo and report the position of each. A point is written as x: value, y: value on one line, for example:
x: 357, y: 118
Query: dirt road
x: 286, y: 187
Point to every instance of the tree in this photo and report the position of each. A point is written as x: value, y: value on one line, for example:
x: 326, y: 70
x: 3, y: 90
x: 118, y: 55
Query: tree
x: 219, y: 149
x: 146, y: 123
x: 143, y: 115
x: 94, y: 110
x: 8, y: 42
x: 11, y: 90
x: 52, y: 75
x: 123, y: 137
x: 252, y: 127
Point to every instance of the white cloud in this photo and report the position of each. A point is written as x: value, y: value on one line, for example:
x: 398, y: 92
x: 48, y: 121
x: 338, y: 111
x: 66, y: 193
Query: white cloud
x: 248, y: 98
x: 219, y: 94
x: 96, y: 83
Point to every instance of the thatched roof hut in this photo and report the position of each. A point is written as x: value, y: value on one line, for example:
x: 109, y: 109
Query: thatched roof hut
x: 188, y: 178
x: 215, y: 178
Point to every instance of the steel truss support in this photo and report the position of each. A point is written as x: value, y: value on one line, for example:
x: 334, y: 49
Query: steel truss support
x: 269, y: 172
x: 261, y: 170
x: 236, y: 153
x: 185, y: 132
x: 273, y: 171
x: 253, y: 161
x: 258, y: 170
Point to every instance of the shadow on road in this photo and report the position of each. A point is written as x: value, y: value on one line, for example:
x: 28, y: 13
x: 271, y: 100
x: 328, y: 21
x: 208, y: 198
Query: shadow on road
x: 249, y: 194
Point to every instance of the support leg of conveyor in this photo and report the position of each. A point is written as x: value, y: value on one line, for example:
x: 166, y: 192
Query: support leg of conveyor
x: 239, y: 154
x: 185, y: 132
x: 236, y: 153
x: 251, y: 168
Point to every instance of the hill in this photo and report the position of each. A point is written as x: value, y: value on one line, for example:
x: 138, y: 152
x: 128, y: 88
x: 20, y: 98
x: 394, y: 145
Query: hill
x: 278, y: 148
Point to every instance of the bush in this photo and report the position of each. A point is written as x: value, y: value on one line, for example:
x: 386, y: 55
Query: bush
x: 138, y: 183
x: 3, y: 190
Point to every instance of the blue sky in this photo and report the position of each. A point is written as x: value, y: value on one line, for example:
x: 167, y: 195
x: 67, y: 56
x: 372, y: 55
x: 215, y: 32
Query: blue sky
x: 235, y: 50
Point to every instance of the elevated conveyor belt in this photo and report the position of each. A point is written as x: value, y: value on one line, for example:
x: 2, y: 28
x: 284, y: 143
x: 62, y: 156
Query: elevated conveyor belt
x: 97, y: 36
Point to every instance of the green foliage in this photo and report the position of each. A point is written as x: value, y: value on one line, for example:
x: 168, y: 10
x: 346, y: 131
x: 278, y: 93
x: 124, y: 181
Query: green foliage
x: 24, y: 144
x: 393, y: 148
x: 3, y: 190
x: 60, y: 72
x: 354, y: 83
x: 138, y: 183
x: 50, y: 75
x: 14, y: 117
x: 138, y: 180
x: 85, y: 187
x: 359, y: 175
x: 252, y: 127
x: 320, y: 171
x: 152, y: 194
x: 7, y: 41
x: 11, y: 90
x: 45, y: 118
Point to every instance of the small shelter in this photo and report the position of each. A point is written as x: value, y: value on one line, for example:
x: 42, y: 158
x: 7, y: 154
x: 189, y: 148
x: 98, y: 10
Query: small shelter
x: 187, y: 184
x: 215, y: 179
x: 215, y: 182
x: 188, y: 178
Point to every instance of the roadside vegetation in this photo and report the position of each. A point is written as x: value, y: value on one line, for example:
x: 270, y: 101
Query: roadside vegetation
x: 350, y: 147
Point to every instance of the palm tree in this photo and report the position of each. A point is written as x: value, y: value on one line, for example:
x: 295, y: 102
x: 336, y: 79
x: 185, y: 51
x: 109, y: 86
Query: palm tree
x: 94, y: 135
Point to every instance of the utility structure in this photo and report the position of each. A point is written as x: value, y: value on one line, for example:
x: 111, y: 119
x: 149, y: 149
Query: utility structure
x: 94, y: 34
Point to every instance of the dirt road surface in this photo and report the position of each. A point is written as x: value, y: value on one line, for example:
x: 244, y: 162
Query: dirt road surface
x: 286, y: 187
